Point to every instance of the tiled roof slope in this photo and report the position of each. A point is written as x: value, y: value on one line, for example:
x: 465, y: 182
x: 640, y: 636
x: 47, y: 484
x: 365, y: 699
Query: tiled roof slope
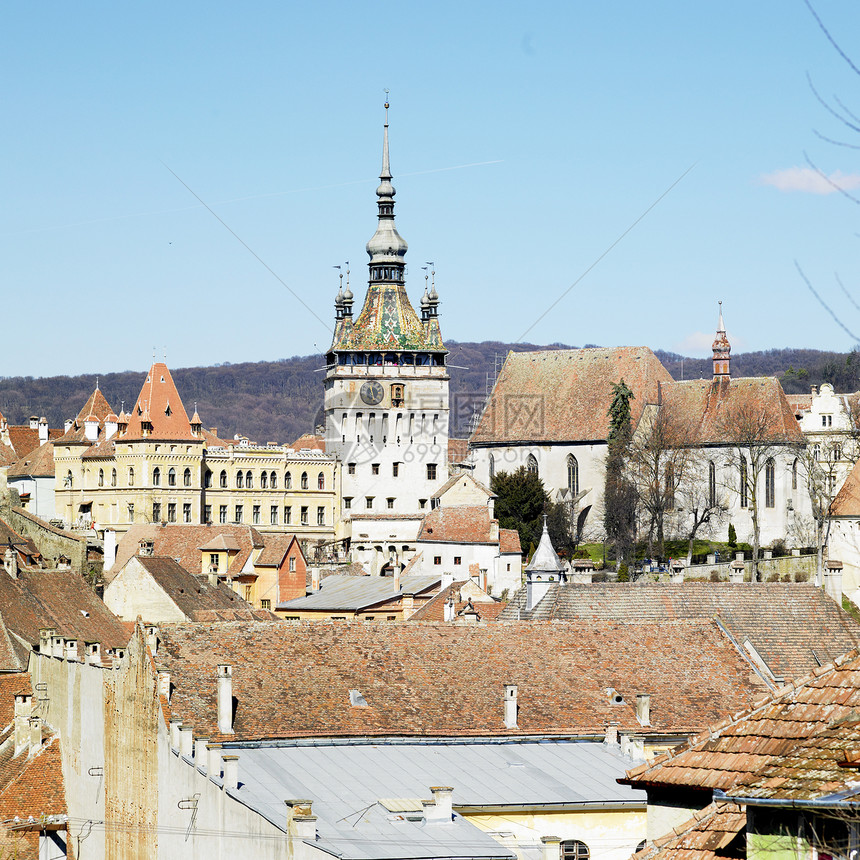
x: 434, y: 610
x: 736, y: 752
x: 160, y: 401
x: 457, y: 450
x: 708, y: 412
x: 183, y: 542
x: 36, y: 464
x: 799, y: 403
x: 563, y: 395
x: 277, y: 546
x: 293, y: 680
x: 509, y: 541
x: 460, y: 524
x: 192, y: 594
x: 13, y: 652
x: 847, y: 501
x: 95, y: 405
x: 25, y: 439
x: 32, y: 786
x: 793, y: 626
x: 309, y: 442
x: 716, y: 832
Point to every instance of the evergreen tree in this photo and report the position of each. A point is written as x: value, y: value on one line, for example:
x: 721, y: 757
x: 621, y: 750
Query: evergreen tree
x: 619, y: 497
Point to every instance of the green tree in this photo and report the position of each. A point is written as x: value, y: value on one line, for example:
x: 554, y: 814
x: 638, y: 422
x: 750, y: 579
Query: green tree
x: 520, y: 503
x: 619, y: 497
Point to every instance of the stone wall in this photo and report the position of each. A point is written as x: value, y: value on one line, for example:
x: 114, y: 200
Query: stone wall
x: 52, y: 542
x: 784, y: 566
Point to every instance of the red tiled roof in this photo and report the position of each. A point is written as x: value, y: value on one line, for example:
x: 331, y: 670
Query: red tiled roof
x: 847, y: 501
x: 509, y: 541
x: 457, y: 450
x: 275, y: 548
x: 309, y: 442
x: 716, y: 832
x: 459, y: 524
x: 37, y: 464
x: 563, y: 395
x: 160, y: 398
x: 95, y: 405
x: 293, y: 680
x: 434, y: 609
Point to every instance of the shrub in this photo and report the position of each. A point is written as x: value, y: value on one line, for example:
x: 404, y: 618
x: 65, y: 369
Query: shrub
x: 778, y: 548
x: 623, y: 572
x: 772, y: 577
x: 600, y: 577
x: 786, y: 577
x: 715, y: 576
x: 801, y: 576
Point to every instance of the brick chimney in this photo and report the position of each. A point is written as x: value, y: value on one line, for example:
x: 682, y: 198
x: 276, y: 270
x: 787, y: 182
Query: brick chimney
x: 225, y: 699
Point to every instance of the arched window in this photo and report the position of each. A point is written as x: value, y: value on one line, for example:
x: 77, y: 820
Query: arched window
x: 816, y: 453
x: 573, y: 849
x: 240, y: 479
x: 321, y: 481
x: 101, y: 477
x: 131, y: 476
x: 304, y: 480
x: 264, y: 480
x: 249, y: 479
x: 572, y: 474
x: 769, y: 484
x: 186, y: 478
x: 794, y: 475
x: 744, y: 489
x: 222, y: 478
x: 156, y: 477
x: 492, y: 467
x: 113, y: 477
x: 273, y: 480
x: 207, y: 478
x: 171, y: 477
x: 669, y: 479
x: 69, y: 480
x: 532, y: 464
x: 288, y: 481
x: 712, y: 485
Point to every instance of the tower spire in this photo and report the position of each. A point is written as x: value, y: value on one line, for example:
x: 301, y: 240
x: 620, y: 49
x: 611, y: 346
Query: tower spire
x: 722, y: 351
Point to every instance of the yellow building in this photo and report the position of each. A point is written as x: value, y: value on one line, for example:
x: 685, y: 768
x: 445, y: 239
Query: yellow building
x: 157, y: 465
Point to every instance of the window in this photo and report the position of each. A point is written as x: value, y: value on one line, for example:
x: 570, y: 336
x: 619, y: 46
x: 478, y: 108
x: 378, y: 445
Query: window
x: 769, y: 484
x: 744, y: 489
x: 670, y: 487
x: 131, y: 476
x: 248, y: 593
x: 368, y: 502
x: 304, y: 480
x: 320, y: 516
x: 156, y: 512
x: 422, y: 503
x: 186, y: 512
x: 837, y: 451
x: 347, y: 503
x: 794, y: 475
x: 458, y: 559
x: 396, y: 395
x: 207, y: 479
x: 816, y: 453
x: 264, y: 481
x: 350, y: 468
x: 288, y: 481
x: 395, y: 470
x: 156, y: 477
x: 171, y: 477
x: 222, y: 479
x: 239, y: 514
x: 222, y: 514
x: 255, y: 515
x: 374, y: 468
x: 273, y: 515
x: 532, y: 464
x: 171, y: 512
x: 186, y: 478
x: 273, y: 480
x: 572, y: 475
x: 573, y: 849
x: 265, y: 604
x: 492, y: 467
x: 437, y: 559
x: 431, y: 471
x: 712, y: 485
x: 292, y: 564
x: 321, y: 481
x: 69, y: 480
x: 390, y: 504
x: 207, y: 513
x: 249, y: 479
x: 240, y: 479
x: 113, y: 477
x: 288, y: 515
x: 131, y: 512
x: 304, y: 515
x: 101, y: 477
x: 826, y: 420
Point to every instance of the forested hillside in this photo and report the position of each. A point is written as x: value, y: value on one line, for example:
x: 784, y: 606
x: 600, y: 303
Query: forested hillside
x: 277, y: 401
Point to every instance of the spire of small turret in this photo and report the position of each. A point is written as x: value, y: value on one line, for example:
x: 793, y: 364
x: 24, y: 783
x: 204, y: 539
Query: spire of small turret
x: 722, y: 350
x: 721, y: 325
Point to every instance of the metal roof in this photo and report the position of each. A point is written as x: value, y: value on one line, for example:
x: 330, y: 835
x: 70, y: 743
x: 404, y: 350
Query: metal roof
x: 358, y: 592
x: 362, y: 792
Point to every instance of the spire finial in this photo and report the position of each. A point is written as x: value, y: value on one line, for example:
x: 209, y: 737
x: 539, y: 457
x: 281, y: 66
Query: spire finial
x: 720, y: 325
x: 386, y: 170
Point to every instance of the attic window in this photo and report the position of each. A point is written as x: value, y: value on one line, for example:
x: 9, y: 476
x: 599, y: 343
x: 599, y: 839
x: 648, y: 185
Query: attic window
x: 167, y: 410
x: 162, y: 379
x: 85, y: 613
x: 356, y: 700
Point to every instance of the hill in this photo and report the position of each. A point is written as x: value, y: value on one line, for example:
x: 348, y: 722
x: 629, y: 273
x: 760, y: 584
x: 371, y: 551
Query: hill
x: 277, y: 401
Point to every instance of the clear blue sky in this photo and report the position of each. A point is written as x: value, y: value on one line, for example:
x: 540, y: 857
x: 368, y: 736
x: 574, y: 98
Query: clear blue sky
x: 526, y: 138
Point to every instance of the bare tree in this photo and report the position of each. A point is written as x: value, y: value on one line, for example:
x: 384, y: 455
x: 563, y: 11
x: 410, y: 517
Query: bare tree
x: 817, y: 464
x: 702, y: 495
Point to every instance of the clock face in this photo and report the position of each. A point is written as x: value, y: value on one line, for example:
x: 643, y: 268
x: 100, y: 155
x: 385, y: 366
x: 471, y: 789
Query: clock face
x: 372, y: 393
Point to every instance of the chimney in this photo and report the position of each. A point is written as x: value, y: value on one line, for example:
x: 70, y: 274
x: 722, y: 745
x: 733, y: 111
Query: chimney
x: 91, y: 428
x: 43, y: 430
x: 94, y: 653
x: 35, y: 734
x: 175, y: 725
x: 109, y: 549
x: 301, y: 821
x: 57, y: 646
x: 315, y: 579
x: 611, y: 736
x: 152, y: 639
x: 551, y: 848
x: 225, y: 699
x: 186, y: 741
x: 213, y: 761
x: 448, y: 610
x: 200, y: 754
x: 632, y: 747
x: 736, y: 571
x: 441, y: 810
x: 494, y: 531
x: 10, y: 560
x: 511, y: 706
x: 231, y: 771
x: 643, y: 708
x: 72, y: 650
x: 213, y: 578
x: 396, y: 578
x: 110, y: 426
x: 447, y: 580
x: 23, y: 709
x: 164, y: 683
x: 408, y: 603
x: 34, y: 422
x: 67, y: 424
x: 46, y: 634
x: 833, y: 579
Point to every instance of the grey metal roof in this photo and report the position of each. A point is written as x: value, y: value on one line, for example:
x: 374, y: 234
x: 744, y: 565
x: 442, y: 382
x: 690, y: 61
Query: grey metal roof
x: 348, y: 781
x: 359, y: 592
x: 545, y: 558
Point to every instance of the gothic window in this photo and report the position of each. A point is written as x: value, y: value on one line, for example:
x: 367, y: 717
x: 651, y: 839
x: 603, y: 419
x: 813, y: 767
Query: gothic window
x: 492, y: 467
x: 222, y: 479
x: 240, y: 479
x: 156, y: 478
x: 532, y: 464
x: 304, y: 480
x: 171, y: 477
x: 207, y: 479
x: 249, y: 479
x: 769, y: 484
x: 572, y: 475
x: 744, y: 489
x: 712, y: 484
x: 156, y: 512
x: 186, y: 478
x: 264, y: 480
x: 670, y: 487
x: 273, y: 480
x: 113, y: 477
x: 794, y: 475
x: 101, y: 477
x: 321, y: 481
x: 131, y: 476
x: 288, y: 481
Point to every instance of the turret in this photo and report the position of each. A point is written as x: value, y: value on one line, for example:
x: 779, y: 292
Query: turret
x: 722, y: 351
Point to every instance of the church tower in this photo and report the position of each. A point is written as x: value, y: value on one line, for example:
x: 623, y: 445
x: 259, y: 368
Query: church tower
x: 722, y: 351
x: 386, y: 386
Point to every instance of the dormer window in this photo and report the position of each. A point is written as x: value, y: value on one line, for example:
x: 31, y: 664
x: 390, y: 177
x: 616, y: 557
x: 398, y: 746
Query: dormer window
x: 167, y: 410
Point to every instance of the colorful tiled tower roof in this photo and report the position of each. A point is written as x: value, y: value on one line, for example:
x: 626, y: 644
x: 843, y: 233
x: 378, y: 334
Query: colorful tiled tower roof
x: 387, y: 320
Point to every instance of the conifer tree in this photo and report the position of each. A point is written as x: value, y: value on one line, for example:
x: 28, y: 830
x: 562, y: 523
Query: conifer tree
x: 619, y: 497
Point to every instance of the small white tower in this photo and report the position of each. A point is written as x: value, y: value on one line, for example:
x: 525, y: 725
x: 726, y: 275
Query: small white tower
x: 543, y: 571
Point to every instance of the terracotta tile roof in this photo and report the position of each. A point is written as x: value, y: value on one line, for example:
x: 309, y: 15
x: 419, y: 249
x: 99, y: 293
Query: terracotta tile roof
x: 24, y: 440
x: 160, y: 399
x: 193, y: 595
x: 13, y: 653
x: 793, y: 626
x: 705, y: 412
x: 95, y: 405
x: 32, y: 786
x: 275, y: 549
x: 434, y: 610
x: 847, y: 501
x: 799, y: 403
x: 104, y: 450
x: 185, y: 543
x: 716, y: 832
x: 460, y: 524
x: 37, y: 464
x: 7, y: 455
x: 509, y: 541
x: 737, y: 751
x: 563, y: 395
x: 457, y: 450
x: 293, y: 680
x: 309, y: 442
x: 212, y: 440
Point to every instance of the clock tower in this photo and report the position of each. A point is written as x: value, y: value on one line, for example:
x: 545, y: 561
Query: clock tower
x: 386, y: 386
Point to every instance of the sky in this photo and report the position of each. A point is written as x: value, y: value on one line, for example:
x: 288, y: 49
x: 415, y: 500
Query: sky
x: 179, y: 179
